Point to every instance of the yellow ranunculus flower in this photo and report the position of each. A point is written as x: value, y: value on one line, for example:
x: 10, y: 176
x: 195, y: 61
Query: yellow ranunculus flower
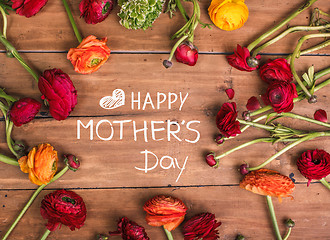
x: 228, y: 14
x: 40, y: 164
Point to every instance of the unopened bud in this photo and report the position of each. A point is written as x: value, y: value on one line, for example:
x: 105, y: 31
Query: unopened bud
x: 101, y: 237
x: 244, y: 169
x: 219, y: 139
x: 313, y: 99
x: 290, y: 223
x: 252, y: 62
x: 211, y: 161
x: 240, y: 237
x: 246, y: 116
x: 167, y: 63
x: 72, y: 162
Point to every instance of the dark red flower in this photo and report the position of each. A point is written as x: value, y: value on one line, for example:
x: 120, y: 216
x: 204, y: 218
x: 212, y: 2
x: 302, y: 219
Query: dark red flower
x: 321, y: 115
x: 278, y: 69
x: 253, y: 104
x: 280, y: 95
x: 28, y: 8
x: 130, y: 230
x: 211, y: 161
x: 314, y: 164
x: 226, y: 120
x: 202, y: 227
x: 230, y: 93
x: 63, y: 207
x: 95, y: 11
x: 24, y: 111
x: 242, y: 60
x: 57, y: 87
x: 186, y: 53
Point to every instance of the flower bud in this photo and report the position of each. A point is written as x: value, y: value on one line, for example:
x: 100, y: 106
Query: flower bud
x: 313, y: 99
x: 240, y: 237
x: 186, y: 53
x: 72, y: 162
x: 290, y: 223
x: 219, y: 139
x: 244, y: 169
x: 19, y: 146
x: 252, y: 62
x: 167, y: 63
x: 246, y: 116
x: 211, y: 161
x: 101, y: 237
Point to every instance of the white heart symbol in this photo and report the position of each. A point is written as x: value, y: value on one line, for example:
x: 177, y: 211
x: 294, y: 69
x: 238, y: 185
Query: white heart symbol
x: 116, y: 100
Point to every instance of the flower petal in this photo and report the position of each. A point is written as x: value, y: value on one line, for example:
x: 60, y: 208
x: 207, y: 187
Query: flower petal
x: 321, y: 115
x: 230, y: 93
x: 253, y: 104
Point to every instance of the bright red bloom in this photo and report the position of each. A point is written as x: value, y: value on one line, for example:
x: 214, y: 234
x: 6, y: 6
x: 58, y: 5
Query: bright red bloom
x: 24, y: 111
x: 57, y: 87
x: 314, y: 164
x: 253, y: 104
x: 321, y: 115
x: 230, y: 93
x: 130, y: 230
x: 28, y: 8
x: 226, y: 120
x: 63, y: 207
x: 165, y: 211
x: 202, y: 226
x: 186, y: 53
x: 95, y: 11
x: 278, y: 69
x: 280, y: 95
x: 239, y: 59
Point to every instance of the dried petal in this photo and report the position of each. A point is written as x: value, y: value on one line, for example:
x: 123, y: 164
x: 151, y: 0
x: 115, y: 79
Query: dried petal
x: 253, y: 104
x: 230, y: 93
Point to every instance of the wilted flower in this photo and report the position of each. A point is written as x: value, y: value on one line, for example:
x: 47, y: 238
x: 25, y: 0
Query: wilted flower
x: 95, y: 11
x: 186, y: 53
x: 226, y: 120
x: 40, y: 164
x: 321, y: 115
x: 211, y: 161
x: 314, y: 164
x: 230, y: 93
x: 278, y: 69
x: 63, y: 207
x: 90, y: 55
x: 130, y: 230
x: 72, y: 162
x: 165, y: 211
x: 228, y: 14
x: 24, y: 111
x: 28, y: 8
x: 268, y: 182
x: 58, y: 89
x: 280, y: 95
x: 239, y: 59
x: 253, y: 104
x: 202, y: 227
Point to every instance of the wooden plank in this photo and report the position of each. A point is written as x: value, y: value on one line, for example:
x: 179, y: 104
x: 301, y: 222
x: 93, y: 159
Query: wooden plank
x: 50, y: 29
x: 231, y: 205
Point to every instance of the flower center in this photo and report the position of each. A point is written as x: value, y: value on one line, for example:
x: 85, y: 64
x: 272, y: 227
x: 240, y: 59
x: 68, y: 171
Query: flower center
x: 68, y: 200
x: 105, y: 8
x: 95, y: 62
x: 316, y: 161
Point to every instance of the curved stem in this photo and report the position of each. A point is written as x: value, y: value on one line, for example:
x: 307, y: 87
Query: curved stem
x: 8, y: 160
x: 9, y: 140
x: 273, y: 217
x: 306, y: 5
x: 175, y: 46
x: 325, y: 183
x: 35, y: 194
x: 168, y: 234
x: 286, y: 32
x: 311, y: 49
x: 182, y: 10
x: 279, y: 153
x: 73, y: 24
x: 4, y: 17
x: 47, y: 232
x: 287, y: 234
x: 296, y: 116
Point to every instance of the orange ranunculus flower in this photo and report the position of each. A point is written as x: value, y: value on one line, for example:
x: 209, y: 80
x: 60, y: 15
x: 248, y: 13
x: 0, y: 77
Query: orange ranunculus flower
x: 165, y: 211
x: 228, y: 14
x: 268, y: 182
x: 40, y: 164
x: 90, y: 54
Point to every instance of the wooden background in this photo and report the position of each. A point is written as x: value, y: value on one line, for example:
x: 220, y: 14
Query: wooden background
x: 107, y: 179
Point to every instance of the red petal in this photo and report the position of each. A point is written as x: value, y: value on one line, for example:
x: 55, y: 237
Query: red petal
x: 230, y: 93
x: 253, y: 104
x: 321, y: 115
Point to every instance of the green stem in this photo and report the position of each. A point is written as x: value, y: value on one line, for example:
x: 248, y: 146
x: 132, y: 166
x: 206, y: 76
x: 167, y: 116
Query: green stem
x: 168, y: 234
x: 258, y: 125
x: 295, y: 53
x: 296, y: 116
x: 287, y: 234
x: 325, y: 183
x: 322, y: 73
x: 8, y: 160
x: 286, y: 32
x: 14, y: 52
x: 176, y: 45
x: 4, y: 17
x: 9, y: 140
x: 182, y: 10
x: 7, y: 97
x: 73, y: 24
x: 273, y: 217
x: 311, y: 49
x: 35, y: 194
x: 47, y: 232
x: 292, y: 145
x: 306, y: 5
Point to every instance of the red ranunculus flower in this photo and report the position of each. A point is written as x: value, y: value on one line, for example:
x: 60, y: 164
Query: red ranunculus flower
x: 28, y: 8
x: 130, y: 230
x: 202, y: 226
x: 95, y: 11
x: 24, y: 111
x: 278, y: 69
x: 239, y: 59
x: 226, y: 120
x: 280, y: 95
x: 314, y: 164
x: 57, y: 87
x: 63, y: 207
x: 186, y: 53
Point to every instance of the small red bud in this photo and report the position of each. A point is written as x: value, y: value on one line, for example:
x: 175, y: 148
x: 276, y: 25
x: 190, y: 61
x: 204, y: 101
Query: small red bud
x: 211, y: 161
x: 219, y: 139
x: 72, y: 162
x: 244, y: 169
